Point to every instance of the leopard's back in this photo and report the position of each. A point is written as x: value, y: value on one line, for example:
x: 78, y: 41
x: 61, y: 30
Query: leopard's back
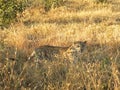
x: 48, y: 52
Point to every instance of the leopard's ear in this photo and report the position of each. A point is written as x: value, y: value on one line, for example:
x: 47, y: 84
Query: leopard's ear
x: 76, y: 42
x: 85, y: 42
x: 81, y: 42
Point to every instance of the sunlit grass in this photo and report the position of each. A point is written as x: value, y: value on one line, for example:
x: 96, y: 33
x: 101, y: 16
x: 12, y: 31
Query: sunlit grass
x: 76, y: 20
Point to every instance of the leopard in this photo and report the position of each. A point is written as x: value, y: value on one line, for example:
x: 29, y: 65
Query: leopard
x: 50, y: 53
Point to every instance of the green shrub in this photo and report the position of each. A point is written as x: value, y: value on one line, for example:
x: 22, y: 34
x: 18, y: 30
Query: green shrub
x: 9, y: 10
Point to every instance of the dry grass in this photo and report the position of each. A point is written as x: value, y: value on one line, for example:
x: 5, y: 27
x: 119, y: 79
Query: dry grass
x: 76, y: 20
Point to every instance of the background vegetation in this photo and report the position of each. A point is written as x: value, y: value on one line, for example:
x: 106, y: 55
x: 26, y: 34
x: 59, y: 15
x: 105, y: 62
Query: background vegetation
x: 63, y: 22
x: 9, y: 10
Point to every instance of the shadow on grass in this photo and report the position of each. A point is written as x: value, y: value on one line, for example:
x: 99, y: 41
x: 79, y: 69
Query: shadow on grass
x: 95, y: 70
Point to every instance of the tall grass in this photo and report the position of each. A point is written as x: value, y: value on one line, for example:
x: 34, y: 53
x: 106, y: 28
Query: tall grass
x: 98, y: 67
x: 90, y: 74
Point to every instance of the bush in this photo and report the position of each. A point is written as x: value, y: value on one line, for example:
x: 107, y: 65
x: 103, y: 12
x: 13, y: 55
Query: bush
x: 9, y: 10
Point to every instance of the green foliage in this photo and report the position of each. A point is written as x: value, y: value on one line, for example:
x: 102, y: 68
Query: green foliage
x: 9, y: 10
x: 48, y: 4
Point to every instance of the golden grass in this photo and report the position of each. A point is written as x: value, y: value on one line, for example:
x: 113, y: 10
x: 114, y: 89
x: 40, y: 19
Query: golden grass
x: 76, y: 20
